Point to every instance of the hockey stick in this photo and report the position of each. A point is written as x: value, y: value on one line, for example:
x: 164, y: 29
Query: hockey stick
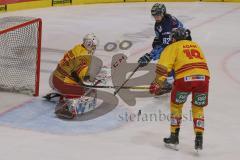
x: 90, y: 89
x: 122, y: 86
x: 49, y: 96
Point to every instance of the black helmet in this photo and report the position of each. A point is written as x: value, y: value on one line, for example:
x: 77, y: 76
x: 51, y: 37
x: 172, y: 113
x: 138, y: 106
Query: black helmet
x: 179, y: 34
x: 158, y: 9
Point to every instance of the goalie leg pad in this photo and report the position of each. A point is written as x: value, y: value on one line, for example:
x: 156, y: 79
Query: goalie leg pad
x: 86, y: 103
x: 71, y: 107
x: 62, y: 111
x: 66, y: 108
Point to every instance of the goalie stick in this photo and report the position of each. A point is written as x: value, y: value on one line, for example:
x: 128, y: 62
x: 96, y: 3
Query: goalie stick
x: 51, y: 95
x: 90, y: 88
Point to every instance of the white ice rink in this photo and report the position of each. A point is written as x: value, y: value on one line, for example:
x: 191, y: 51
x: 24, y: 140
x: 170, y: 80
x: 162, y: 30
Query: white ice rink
x: 33, y: 133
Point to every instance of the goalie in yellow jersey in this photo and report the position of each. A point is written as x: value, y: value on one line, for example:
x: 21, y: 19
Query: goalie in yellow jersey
x: 70, y: 72
x: 187, y: 61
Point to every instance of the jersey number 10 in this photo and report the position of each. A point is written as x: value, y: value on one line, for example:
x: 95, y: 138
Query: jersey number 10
x: 192, y: 53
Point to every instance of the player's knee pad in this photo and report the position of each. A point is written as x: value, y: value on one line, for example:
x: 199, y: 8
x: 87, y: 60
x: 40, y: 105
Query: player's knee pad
x: 176, y: 110
x: 197, y: 112
x: 200, y: 99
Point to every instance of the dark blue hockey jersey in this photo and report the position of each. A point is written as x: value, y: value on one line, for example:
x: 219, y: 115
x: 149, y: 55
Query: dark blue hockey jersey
x: 163, y: 30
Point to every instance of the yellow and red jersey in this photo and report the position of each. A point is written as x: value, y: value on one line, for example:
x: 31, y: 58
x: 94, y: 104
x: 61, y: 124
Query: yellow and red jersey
x: 185, y: 58
x: 75, y: 60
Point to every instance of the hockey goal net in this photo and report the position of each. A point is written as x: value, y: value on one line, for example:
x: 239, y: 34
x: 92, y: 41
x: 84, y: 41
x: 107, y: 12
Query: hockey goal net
x: 20, y: 47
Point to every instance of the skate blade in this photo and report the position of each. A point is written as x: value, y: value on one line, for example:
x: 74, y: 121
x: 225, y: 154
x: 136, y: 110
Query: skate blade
x: 172, y: 146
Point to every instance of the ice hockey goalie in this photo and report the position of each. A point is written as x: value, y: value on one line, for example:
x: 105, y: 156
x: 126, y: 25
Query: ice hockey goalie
x: 72, y: 71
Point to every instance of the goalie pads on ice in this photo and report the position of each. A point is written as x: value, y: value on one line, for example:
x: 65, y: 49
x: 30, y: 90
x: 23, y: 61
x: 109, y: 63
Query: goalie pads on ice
x: 69, y: 108
x: 62, y: 111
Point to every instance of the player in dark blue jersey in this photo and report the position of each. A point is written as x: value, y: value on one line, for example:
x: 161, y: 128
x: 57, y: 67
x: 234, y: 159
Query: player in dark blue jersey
x: 164, y: 25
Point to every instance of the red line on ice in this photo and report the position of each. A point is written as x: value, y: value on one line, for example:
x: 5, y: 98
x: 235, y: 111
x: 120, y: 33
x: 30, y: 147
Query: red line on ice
x: 225, y: 68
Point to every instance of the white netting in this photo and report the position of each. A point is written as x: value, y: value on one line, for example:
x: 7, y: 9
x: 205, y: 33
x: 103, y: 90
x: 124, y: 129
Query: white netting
x: 18, y: 55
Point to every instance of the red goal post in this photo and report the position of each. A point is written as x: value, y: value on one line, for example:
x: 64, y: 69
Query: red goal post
x: 20, y: 53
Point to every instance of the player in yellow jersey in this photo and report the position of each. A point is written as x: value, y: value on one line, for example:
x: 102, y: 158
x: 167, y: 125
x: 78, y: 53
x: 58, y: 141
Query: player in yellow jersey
x: 70, y: 72
x: 191, y: 76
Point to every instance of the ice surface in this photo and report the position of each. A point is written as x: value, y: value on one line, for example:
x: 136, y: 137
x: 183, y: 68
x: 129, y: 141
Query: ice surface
x: 214, y: 26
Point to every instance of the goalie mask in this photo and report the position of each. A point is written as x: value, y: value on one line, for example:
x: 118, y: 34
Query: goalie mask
x: 90, y: 42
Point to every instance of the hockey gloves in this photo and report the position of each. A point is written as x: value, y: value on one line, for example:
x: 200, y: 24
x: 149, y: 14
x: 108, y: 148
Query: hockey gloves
x: 153, y: 55
x: 154, y: 88
x: 144, y: 60
x: 160, y: 89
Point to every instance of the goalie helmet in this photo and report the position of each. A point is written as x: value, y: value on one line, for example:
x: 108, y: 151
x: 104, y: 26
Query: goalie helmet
x: 90, y: 42
x: 158, y: 9
x: 178, y: 34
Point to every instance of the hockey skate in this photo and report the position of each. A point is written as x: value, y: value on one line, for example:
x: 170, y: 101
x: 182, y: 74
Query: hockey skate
x: 199, y: 142
x: 51, y: 95
x: 172, y: 141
